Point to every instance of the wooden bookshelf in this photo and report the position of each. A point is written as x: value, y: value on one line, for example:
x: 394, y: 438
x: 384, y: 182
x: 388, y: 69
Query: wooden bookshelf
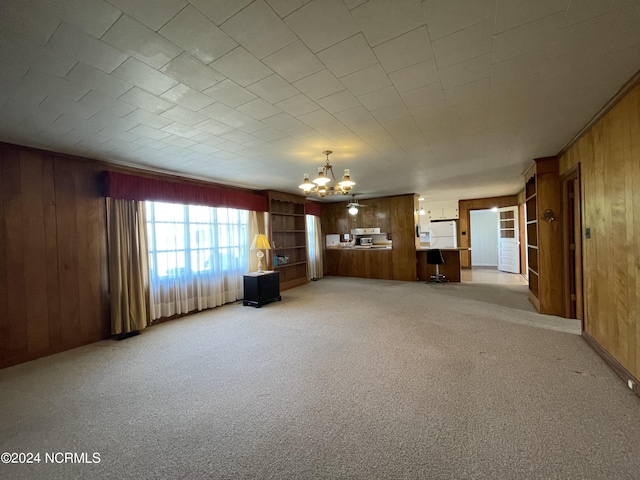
x: 544, y: 242
x: 531, y: 208
x: 288, y: 238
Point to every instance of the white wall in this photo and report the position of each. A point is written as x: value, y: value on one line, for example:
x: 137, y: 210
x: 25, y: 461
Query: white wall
x: 484, y: 238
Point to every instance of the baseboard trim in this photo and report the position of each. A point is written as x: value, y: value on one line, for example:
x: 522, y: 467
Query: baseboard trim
x: 29, y: 357
x: 622, y: 372
x: 124, y: 336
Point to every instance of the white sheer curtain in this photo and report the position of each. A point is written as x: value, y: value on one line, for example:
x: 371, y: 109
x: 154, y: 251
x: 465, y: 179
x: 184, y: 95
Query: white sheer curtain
x: 197, y: 256
x: 257, y: 224
x: 314, y: 247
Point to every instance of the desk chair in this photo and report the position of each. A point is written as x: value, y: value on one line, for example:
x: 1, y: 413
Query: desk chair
x: 434, y: 257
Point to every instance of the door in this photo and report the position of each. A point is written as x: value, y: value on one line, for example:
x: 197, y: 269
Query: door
x: 572, y: 241
x: 508, y: 240
x: 484, y: 234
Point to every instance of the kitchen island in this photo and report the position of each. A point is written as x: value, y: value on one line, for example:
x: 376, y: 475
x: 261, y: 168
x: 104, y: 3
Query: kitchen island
x: 360, y: 262
x: 450, y: 268
x: 377, y: 263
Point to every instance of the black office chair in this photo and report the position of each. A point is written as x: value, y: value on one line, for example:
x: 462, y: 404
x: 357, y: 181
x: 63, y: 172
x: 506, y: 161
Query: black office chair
x: 434, y: 257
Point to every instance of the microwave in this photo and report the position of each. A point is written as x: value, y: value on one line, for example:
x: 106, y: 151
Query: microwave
x: 365, y: 241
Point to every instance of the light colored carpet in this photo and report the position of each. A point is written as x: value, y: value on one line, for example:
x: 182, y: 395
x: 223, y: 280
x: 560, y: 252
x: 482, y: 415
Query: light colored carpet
x: 345, y: 378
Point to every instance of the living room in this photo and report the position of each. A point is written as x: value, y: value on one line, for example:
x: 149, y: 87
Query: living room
x: 345, y: 376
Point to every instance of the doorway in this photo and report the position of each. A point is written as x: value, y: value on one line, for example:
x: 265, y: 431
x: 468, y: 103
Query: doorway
x: 484, y: 232
x: 572, y: 245
x: 508, y: 240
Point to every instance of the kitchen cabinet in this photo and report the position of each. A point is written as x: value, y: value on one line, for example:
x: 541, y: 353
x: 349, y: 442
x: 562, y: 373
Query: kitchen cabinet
x: 443, y: 213
x: 351, y: 262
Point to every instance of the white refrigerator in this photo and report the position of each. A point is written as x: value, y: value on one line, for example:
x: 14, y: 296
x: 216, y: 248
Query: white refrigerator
x: 443, y: 234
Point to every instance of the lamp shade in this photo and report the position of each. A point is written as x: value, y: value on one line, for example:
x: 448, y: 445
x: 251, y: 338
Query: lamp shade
x: 306, y: 184
x: 346, y: 180
x: 260, y: 242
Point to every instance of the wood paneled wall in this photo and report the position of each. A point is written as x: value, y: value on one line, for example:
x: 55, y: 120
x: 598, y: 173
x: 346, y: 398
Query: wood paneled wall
x: 403, y: 224
x: 609, y: 158
x: 53, y: 278
x: 464, y: 222
x: 394, y: 215
x: 336, y: 219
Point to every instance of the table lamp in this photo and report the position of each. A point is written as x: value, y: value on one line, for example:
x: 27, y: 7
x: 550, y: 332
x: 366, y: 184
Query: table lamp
x: 260, y: 242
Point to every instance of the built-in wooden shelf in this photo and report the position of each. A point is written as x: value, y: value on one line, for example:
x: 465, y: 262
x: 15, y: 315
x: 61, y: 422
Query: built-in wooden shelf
x: 289, y: 237
x: 290, y: 264
x: 543, y: 239
x: 532, y: 234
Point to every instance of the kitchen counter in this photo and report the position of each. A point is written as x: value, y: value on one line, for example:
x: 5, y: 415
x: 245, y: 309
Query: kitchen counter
x: 450, y: 268
x: 359, y: 262
x: 376, y: 262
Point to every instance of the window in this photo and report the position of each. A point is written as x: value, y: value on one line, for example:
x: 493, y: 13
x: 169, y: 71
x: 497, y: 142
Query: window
x: 189, y: 240
x: 314, y: 247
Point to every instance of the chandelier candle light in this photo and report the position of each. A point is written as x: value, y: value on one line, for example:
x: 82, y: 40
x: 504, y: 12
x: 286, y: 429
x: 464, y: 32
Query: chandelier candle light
x: 322, y: 186
x: 260, y: 242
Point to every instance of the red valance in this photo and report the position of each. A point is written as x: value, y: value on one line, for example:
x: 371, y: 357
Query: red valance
x: 313, y: 209
x: 131, y: 187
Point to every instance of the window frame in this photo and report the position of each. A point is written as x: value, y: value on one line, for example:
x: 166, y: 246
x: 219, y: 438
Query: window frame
x: 233, y: 221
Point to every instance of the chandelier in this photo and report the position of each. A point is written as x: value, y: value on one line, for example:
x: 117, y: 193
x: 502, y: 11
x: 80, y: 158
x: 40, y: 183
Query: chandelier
x: 322, y: 185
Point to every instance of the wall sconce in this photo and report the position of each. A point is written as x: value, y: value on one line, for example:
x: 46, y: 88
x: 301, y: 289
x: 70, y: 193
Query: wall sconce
x: 420, y: 212
x: 549, y: 216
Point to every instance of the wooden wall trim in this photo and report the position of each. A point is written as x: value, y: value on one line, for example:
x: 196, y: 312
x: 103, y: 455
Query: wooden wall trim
x: 616, y: 366
x: 158, y: 174
x: 531, y: 171
x: 284, y: 197
x: 571, y: 270
x: 613, y: 101
x: 547, y: 165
